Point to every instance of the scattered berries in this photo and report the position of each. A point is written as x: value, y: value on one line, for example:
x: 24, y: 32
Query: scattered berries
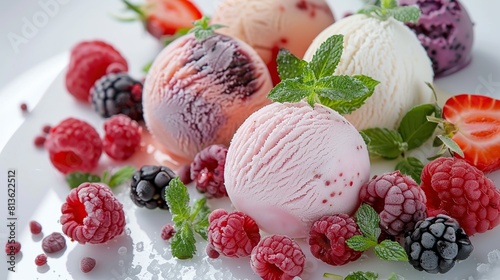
x: 232, y: 235
x: 46, y: 129
x: 277, y: 257
x: 35, y: 227
x: 74, y: 145
x: 436, y: 244
x: 147, y: 188
x: 24, y: 107
x: 53, y: 243
x: 460, y: 190
x: 41, y: 260
x: 185, y: 174
x: 87, y: 264
x: 122, y: 137
x: 89, y: 61
x: 12, y: 248
x: 328, y: 236
x: 92, y: 214
x: 39, y: 141
x: 167, y: 231
x: 117, y: 93
x: 207, y: 171
x: 398, y: 199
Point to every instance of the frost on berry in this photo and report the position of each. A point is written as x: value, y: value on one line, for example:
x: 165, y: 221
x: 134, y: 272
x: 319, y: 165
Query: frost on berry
x: 277, y: 257
x: 87, y: 264
x: 53, y: 243
x: 398, y: 199
x: 328, y: 236
x: 207, y: 171
x: 122, y: 137
x: 167, y: 231
x: 232, y: 235
x: 92, y: 214
x: 12, y: 247
x: 41, y: 260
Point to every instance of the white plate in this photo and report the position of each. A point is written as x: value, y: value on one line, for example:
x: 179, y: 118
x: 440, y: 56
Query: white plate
x: 41, y: 191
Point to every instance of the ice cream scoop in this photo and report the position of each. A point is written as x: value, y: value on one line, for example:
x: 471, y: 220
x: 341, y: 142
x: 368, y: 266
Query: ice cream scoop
x: 289, y: 164
x: 268, y: 25
x: 197, y: 93
x: 446, y: 32
x: 389, y: 52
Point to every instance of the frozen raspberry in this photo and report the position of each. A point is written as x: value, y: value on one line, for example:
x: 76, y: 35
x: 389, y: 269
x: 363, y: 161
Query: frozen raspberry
x: 92, y: 214
x: 41, y: 260
x: 277, y: 257
x: 207, y: 171
x: 46, y: 129
x: 74, y: 145
x: 87, y: 264
x: 328, y: 236
x: 53, y: 243
x: 398, y: 199
x: 460, y: 190
x: 185, y: 174
x: 232, y: 235
x: 211, y: 252
x: 167, y: 231
x: 12, y: 247
x: 122, y: 137
x: 24, y: 107
x: 90, y: 61
x: 35, y: 227
x: 39, y: 141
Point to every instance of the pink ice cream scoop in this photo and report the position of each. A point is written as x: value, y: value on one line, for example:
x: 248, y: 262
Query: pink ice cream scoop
x: 197, y: 93
x: 290, y: 164
x: 446, y: 32
x: 268, y: 25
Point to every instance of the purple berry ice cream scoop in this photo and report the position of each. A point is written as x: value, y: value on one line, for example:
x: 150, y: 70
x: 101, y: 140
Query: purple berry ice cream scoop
x: 446, y: 32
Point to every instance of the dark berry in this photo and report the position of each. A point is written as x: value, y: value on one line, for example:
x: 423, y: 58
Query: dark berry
x: 148, y: 185
x: 436, y: 243
x: 117, y: 93
x: 207, y: 171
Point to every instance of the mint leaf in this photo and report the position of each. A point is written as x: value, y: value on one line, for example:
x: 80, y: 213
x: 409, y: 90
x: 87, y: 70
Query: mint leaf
x: 120, y: 176
x: 332, y: 276
x: 75, y: 179
x: 415, y: 128
x: 343, y: 94
x: 290, y: 90
x: 360, y: 243
x: 394, y: 276
x: 409, y: 14
x: 368, y: 221
x: 389, y: 250
x: 385, y: 9
x: 183, y: 242
x: 412, y: 167
x: 327, y: 57
x: 290, y: 66
x: 389, y: 4
x: 383, y: 142
x: 199, y: 216
x: 177, y: 198
x: 452, y: 145
x: 202, y: 29
x: 359, y: 275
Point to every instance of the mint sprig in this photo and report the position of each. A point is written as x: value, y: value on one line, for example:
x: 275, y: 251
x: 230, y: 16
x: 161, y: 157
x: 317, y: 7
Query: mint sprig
x: 314, y: 81
x: 368, y: 221
x: 360, y: 275
x: 113, y: 180
x: 203, y: 29
x: 187, y: 219
x: 386, y: 9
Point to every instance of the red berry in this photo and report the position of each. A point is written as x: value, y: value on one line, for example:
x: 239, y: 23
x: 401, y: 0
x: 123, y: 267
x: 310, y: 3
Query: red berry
x: 74, y: 145
x: 207, y: 171
x: 87, y: 264
x: 122, y: 137
x: 88, y: 62
x: 328, y: 236
x: 39, y: 141
x: 92, y: 214
x: 398, y: 199
x: 167, y: 231
x: 12, y: 247
x: 211, y: 252
x: 456, y: 188
x: 41, y: 260
x: 232, y: 235
x: 53, y: 243
x: 46, y: 129
x: 35, y: 227
x: 185, y: 174
x: 277, y: 257
x: 24, y: 107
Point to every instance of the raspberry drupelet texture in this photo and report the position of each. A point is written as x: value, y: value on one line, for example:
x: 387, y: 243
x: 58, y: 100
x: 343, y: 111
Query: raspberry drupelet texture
x: 87, y: 264
x: 232, y: 235
x: 74, y: 145
x: 167, y: 231
x: 92, y: 214
x: 53, y: 243
x: 12, y: 247
x: 207, y: 171
x: 147, y: 188
x: 328, y: 236
x: 89, y: 61
x: 122, y: 137
x: 398, y: 199
x: 35, y: 227
x: 460, y: 190
x: 41, y: 260
x: 277, y: 257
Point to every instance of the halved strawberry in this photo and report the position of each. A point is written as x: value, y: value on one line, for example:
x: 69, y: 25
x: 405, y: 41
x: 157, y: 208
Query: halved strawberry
x: 475, y: 127
x: 165, y: 17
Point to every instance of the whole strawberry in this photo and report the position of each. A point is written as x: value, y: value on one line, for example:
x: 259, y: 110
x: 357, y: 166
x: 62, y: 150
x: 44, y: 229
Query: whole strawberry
x: 89, y: 61
x: 456, y: 188
x: 473, y: 123
x: 166, y: 17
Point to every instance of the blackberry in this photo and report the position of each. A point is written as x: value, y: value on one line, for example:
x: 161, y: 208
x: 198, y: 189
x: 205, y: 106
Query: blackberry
x: 436, y: 243
x: 117, y: 93
x: 147, y: 188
